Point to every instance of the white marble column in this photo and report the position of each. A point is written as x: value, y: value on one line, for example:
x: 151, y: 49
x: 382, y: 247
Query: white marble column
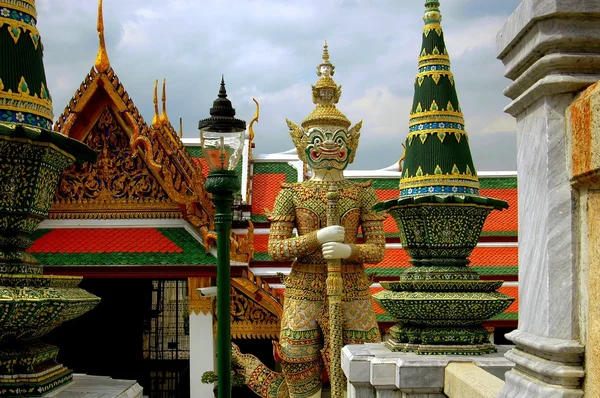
x: 202, y: 353
x: 551, y: 51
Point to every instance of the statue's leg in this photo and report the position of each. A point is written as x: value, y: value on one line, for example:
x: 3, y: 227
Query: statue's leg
x: 360, y: 321
x: 301, y: 339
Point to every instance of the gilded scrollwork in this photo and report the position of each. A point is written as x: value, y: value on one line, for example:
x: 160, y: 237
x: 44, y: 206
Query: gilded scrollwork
x: 118, y: 179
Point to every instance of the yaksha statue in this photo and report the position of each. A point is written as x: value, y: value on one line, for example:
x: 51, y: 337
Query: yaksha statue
x: 327, y: 145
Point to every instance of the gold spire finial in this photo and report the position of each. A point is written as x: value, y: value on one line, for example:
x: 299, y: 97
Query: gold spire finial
x: 102, y: 63
x: 325, y: 68
x: 325, y: 52
x: 164, y: 119
x: 156, y: 118
x: 180, y: 127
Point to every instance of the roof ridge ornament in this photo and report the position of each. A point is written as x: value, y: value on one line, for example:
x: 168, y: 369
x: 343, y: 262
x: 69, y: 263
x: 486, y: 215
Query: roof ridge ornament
x: 102, y: 63
x: 156, y: 121
x: 164, y: 119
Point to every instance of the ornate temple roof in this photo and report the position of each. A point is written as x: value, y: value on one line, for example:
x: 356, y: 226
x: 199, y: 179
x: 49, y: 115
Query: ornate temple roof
x: 143, y: 171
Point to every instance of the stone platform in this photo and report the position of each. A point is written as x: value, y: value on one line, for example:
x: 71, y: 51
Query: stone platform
x: 84, y: 386
x: 373, y: 368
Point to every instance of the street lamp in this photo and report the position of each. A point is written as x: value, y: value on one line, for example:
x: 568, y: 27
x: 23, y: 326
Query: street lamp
x: 222, y: 140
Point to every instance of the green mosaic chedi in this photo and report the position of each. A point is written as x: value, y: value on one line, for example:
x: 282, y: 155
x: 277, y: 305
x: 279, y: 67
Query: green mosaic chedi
x: 440, y: 302
x: 32, y: 158
x: 437, y: 157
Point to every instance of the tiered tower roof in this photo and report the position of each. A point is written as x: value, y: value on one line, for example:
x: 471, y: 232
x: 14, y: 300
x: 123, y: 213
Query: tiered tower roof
x: 437, y: 158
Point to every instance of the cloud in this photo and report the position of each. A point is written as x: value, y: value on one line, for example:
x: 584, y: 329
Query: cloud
x: 464, y: 38
x: 268, y: 49
x: 384, y: 113
x: 502, y: 124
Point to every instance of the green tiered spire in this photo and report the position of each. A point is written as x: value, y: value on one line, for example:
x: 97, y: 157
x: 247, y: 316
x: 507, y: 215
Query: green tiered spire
x: 437, y: 158
x: 439, y: 301
x: 24, y: 96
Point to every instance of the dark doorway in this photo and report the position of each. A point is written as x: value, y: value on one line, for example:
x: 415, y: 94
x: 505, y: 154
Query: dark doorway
x: 139, y: 331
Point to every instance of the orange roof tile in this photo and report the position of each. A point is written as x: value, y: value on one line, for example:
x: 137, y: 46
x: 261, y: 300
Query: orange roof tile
x: 265, y: 188
x: 505, y: 220
x: 260, y: 243
x: 104, y: 240
x: 512, y: 291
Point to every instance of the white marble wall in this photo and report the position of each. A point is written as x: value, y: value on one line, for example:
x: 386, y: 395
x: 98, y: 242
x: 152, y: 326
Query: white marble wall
x: 546, y: 262
x: 202, y: 354
x: 551, y: 51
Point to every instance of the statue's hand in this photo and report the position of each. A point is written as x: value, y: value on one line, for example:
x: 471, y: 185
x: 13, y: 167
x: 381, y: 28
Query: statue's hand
x: 335, y: 233
x: 336, y: 250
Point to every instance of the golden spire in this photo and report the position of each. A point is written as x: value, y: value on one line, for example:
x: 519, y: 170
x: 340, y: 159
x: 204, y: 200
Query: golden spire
x: 102, y: 63
x: 164, y: 119
x: 156, y: 119
x: 325, y: 52
x: 180, y: 127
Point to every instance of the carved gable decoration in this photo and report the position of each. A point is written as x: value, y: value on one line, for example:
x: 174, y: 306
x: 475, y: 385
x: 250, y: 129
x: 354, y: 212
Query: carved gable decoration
x: 117, y: 186
x: 250, y: 319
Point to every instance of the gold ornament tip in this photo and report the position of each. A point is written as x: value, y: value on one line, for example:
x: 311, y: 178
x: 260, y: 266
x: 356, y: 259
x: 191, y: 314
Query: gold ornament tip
x: 164, y: 119
x: 156, y: 117
x: 102, y: 63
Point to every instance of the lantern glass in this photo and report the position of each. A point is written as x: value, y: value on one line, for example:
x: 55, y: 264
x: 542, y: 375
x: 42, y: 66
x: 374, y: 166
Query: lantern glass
x: 222, y: 150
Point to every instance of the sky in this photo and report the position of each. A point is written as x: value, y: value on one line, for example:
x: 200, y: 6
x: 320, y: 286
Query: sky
x: 269, y: 50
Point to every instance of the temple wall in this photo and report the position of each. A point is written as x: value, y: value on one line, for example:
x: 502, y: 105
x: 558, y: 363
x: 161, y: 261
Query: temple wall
x: 592, y: 384
x: 583, y: 134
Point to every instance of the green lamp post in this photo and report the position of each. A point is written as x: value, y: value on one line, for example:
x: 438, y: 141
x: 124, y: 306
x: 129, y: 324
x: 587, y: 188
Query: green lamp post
x: 222, y: 140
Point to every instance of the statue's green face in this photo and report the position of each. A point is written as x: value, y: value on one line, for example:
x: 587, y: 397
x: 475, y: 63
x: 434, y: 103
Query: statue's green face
x: 327, y: 148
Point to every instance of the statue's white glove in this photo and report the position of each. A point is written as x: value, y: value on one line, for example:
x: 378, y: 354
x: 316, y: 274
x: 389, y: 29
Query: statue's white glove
x: 336, y: 250
x: 335, y: 233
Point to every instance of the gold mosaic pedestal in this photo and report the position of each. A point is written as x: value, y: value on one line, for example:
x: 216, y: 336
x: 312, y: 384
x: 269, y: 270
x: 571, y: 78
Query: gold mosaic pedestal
x: 440, y: 341
x: 32, y: 304
x: 30, y: 369
x: 440, y: 302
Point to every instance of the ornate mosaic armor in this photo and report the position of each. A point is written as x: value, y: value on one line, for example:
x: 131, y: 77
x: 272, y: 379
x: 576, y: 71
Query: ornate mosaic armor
x: 305, y: 319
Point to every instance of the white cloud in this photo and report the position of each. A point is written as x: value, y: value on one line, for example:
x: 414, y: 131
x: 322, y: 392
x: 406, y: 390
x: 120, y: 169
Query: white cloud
x: 383, y: 112
x: 502, y: 124
x: 463, y: 38
x: 268, y: 49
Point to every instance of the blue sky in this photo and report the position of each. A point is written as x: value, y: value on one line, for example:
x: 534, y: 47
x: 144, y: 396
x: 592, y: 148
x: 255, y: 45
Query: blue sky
x: 268, y: 49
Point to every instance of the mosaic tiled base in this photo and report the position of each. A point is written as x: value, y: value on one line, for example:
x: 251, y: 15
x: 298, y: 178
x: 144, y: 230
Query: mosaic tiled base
x: 30, y: 369
x: 443, y: 273
x: 441, y: 349
x: 443, y: 308
x: 440, y: 301
x: 447, y: 233
x: 29, y: 173
x: 31, y: 306
x: 441, y: 285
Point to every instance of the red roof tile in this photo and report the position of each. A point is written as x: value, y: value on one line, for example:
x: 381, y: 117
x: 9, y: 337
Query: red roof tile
x: 505, y: 220
x: 481, y: 257
x: 495, y: 256
x: 512, y: 291
x: 389, y: 225
x: 260, y: 243
x: 265, y: 188
x: 104, y: 240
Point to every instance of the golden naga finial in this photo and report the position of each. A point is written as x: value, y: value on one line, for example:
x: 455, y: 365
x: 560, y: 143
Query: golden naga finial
x: 254, y: 119
x: 164, y: 119
x: 102, y: 63
x: 156, y: 119
x: 180, y: 127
